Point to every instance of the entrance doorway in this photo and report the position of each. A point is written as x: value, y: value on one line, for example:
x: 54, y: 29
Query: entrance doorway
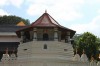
x: 45, y: 37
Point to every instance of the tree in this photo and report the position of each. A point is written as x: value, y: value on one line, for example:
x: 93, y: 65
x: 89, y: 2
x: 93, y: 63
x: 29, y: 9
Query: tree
x: 98, y: 47
x: 12, y: 20
x: 76, y: 39
x: 88, y: 42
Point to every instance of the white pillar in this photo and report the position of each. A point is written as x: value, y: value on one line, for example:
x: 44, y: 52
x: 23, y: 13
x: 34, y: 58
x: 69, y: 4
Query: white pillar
x: 68, y: 37
x: 34, y: 34
x: 55, y: 34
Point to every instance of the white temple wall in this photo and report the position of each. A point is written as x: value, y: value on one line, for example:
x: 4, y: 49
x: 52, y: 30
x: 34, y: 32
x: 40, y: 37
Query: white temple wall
x: 42, y: 62
x: 50, y: 33
x: 9, y: 39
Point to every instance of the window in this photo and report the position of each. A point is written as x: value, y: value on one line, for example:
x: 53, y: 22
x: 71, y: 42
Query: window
x: 65, y: 49
x: 25, y: 49
x: 45, y: 46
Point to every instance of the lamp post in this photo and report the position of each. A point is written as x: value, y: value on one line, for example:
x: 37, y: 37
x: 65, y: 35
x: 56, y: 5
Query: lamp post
x: 98, y: 63
x: 99, y: 54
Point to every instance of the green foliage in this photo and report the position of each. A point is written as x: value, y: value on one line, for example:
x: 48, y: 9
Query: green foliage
x: 88, y: 42
x: 12, y: 20
x: 76, y: 40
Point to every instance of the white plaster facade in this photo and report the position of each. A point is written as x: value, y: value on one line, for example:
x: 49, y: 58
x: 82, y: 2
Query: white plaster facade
x: 9, y: 37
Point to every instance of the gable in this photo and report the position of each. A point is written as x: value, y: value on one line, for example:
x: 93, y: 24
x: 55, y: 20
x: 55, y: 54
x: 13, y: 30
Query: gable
x: 20, y: 24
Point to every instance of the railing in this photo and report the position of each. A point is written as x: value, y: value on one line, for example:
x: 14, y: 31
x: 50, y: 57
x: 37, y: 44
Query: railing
x: 41, y: 39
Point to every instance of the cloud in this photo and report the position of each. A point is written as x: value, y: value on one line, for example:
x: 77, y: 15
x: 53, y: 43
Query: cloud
x: 93, y: 26
x: 16, y: 3
x: 97, y: 0
x: 67, y: 10
x: 98, y: 11
x: 92, y: 2
x: 3, y: 2
x: 2, y: 12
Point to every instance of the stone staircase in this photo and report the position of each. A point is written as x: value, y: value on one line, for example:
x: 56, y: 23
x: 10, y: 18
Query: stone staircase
x: 55, y: 50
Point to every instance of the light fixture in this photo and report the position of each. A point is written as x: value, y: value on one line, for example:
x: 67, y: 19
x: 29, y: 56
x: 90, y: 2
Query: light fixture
x: 99, y: 56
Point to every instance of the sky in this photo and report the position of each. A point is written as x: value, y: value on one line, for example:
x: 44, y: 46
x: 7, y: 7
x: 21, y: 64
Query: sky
x: 79, y: 15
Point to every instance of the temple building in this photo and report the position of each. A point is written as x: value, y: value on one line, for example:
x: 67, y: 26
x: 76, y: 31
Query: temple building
x: 8, y: 38
x: 46, y: 28
x: 45, y: 43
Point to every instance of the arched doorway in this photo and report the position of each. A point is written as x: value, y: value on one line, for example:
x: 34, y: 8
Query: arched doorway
x: 45, y: 36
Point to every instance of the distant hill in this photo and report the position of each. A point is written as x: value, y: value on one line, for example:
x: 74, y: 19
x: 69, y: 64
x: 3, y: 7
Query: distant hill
x: 13, y: 20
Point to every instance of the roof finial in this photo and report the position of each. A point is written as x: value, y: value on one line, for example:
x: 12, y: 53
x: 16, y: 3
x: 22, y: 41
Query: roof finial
x: 76, y: 51
x: 45, y: 11
x: 13, y: 50
x: 83, y: 51
x: 6, y: 50
x: 92, y: 58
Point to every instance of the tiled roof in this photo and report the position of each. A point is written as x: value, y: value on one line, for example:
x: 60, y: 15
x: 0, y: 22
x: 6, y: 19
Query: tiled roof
x: 9, y: 28
x: 45, y: 20
x: 21, y: 24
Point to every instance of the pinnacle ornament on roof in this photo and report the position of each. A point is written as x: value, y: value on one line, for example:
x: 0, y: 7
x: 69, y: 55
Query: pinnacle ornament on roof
x: 76, y: 51
x: 76, y: 56
x: 84, y: 57
x: 83, y: 51
x: 92, y: 58
x: 6, y: 50
x: 13, y: 50
x: 45, y: 11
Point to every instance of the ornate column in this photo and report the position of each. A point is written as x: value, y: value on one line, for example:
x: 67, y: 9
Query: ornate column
x: 31, y: 35
x: 55, y: 34
x: 22, y: 37
x: 34, y: 34
x: 68, y: 37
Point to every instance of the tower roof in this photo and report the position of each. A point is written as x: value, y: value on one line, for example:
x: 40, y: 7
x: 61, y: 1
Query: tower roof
x: 45, y: 21
x: 21, y: 24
